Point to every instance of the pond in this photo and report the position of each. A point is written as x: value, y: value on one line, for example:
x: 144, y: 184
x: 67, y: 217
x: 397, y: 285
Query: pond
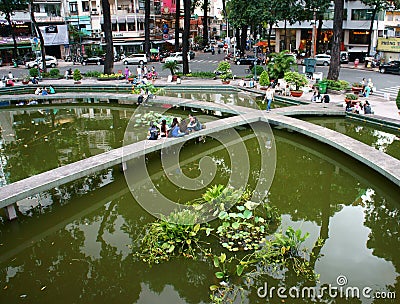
x: 82, y: 249
x: 33, y: 141
x: 382, y: 139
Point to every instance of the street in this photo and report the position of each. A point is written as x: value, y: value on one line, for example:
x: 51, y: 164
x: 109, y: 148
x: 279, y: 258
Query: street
x: 208, y: 62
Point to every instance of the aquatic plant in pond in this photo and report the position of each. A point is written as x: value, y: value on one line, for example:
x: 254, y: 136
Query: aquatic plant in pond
x: 247, y: 228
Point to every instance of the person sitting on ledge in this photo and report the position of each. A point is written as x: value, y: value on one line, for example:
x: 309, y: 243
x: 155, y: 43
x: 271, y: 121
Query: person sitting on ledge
x: 174, y: 130
x: 367, y: 108
x: 52, y: 90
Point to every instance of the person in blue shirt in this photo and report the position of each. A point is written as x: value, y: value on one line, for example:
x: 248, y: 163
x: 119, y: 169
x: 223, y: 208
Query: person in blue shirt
x: 44, y: 92
x: 174, y: 130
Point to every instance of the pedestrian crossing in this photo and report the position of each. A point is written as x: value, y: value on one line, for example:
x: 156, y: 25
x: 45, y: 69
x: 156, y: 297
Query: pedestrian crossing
x: 202, y: 60
x: 385, y: 91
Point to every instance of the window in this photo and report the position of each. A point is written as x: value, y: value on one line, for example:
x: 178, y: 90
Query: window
x: 328, y: 15
x: 361, y: 14
x: 122, y: 27
x: 131, y: 26
x: 85, y: 6
x: 73, y: 7
x: 358, y: 37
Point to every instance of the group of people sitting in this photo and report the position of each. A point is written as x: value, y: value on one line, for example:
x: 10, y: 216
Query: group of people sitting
x: 176, y: 129
x: 45, y: 91
x: 359, y: 107
x: 317, y: 97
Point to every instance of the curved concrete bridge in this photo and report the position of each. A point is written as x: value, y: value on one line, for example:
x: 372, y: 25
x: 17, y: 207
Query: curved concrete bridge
x: 380, y: 162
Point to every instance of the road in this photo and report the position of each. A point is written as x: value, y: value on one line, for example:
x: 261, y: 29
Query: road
x: 207, y: 62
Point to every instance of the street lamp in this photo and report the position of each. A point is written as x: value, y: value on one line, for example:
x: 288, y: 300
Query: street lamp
x: 255, y: 63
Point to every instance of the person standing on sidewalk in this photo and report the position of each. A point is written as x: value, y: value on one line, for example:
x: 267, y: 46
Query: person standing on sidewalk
x: 269, y: 96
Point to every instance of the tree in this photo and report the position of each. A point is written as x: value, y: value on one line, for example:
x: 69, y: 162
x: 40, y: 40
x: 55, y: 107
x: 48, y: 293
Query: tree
x: 205, y: 22
x: 109, y: 60
x: 185, y: 38
x: 39, y: 33
x: 177, y: 22
x: 8, y: 7
x: 378, y: 6
x: 334, y: 67
x: 147, y: 28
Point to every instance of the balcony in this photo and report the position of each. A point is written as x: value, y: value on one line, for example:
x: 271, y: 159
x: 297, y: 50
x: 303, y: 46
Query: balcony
x: 45, y: 17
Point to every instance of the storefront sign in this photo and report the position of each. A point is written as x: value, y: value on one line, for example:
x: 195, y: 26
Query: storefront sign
x: 388, y: 45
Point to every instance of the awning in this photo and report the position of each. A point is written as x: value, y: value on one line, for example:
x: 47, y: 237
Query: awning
x: 113, y: 20
x: 127, y: 43
x: 10, y: 47
x: 121, y: 19
x: 262, y: 43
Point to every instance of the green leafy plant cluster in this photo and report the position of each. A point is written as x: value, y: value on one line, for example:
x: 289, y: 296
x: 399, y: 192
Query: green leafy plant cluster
x: 202, y: 74
x: 53, y: 73
x: 351, y: 96
x: 337, y: 85
x: 264, y: 79
x: 279, y: 64
x: 295, y: 79
x: 224, y: 67
x: 249, y: 247
x: 259, y: 69
x: 33, y: 72
x: 92, y: 74
x: 398, y: 100
x: 77, y: 76
x: 165, y: 239
x: 148, y: 86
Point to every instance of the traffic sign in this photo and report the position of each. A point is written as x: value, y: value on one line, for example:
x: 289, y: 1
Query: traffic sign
x: 225, y: 46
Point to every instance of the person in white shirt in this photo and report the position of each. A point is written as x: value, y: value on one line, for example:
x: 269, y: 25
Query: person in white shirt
x: 269, y: 96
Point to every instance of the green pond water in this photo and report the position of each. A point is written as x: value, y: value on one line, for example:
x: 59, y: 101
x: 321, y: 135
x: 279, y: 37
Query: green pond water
x: 77, y: 246
x: 382, y: 139
x: 244, y: 99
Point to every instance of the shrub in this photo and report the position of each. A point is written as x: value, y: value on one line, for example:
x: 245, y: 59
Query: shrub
x: 264, y: 79
x: 259, y: 70
x: 92, y: 74
x: 296, y: 79
x: 33, y: 72
x: 172, y: 66
x: 202, y: 74
x: 351, y: 96
x: 224, y: 67
x: 398, y: 100
x: 77, y: 75
x: 336, y: 85
x: 279, y: 64
x: 54, y: 73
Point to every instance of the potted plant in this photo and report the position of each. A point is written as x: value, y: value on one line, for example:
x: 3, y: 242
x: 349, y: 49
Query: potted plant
x: 77, y: 76
x: 25, y: 79
x: 224, y: 69
x: 279, y: 64
x: 173, y: 67
x: 264, y: 80
x: 356, y: 87
x: 350, y: 97
x: 295, y: 80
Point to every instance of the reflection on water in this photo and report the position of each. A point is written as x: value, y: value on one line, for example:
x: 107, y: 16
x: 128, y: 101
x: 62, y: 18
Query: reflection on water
x: 81, y: 252
x: 384, y: 140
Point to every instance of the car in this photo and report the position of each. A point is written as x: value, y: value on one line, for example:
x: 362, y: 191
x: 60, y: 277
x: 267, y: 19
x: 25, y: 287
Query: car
x: 390, y: 67
x: 135, y: 59
x: 93, y: 60
x: 323, y: 59
x: 249, y: 60
x: 50, y: 62
x: 176, y: 57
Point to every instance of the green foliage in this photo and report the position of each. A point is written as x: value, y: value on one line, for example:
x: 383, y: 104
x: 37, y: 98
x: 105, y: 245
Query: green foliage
x: 280, y: 64
x: 33, y: 72
x: 259, y: 70
x: 202, y: 74
x: 213, y: 193
x: 93, y: 74
x: 290, y: 241
x: 336, y: 85
x: 149, y: 86
x: 77, y: 75
x: 224, y: 67
x: 54, y: 73
x: 172, y: 66
x: 356, y: 85
x: 398, y: 100
x: 351, y: 96
x: 295, y: 79
x: 164, y: 239
x: 264, y: 79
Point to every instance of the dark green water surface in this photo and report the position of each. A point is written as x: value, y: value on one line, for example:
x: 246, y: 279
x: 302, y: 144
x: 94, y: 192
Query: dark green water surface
x: 385, y: 140
x: 78, y: 247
